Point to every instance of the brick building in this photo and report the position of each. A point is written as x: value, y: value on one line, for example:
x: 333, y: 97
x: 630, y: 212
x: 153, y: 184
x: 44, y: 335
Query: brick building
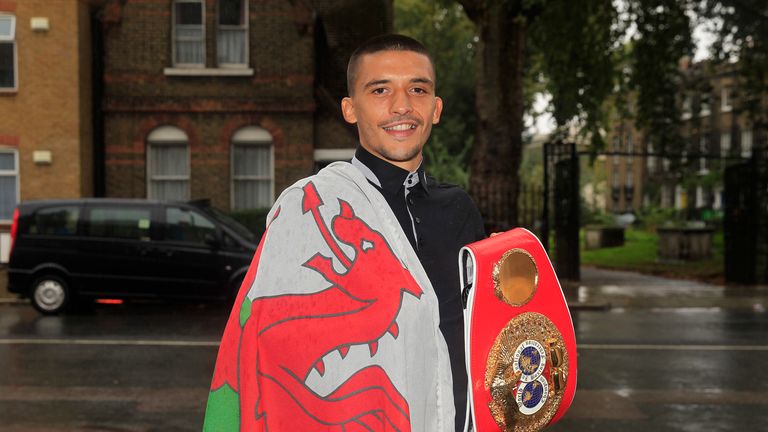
x: 231, y: 100
x: 45, y: 101
x: 716, y: 130
x: 46, y: 135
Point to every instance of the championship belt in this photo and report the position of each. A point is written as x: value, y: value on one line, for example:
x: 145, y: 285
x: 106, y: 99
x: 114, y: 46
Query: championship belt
x: 520, y: 343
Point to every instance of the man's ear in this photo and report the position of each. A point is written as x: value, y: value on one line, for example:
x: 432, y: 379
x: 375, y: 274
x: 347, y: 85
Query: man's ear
x: 438, y: 110
x: 348, y: 110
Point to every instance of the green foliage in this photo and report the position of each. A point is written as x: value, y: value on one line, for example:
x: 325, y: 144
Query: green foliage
x: 662, y: 39
x: 253, y: 219
x: 640, y: 253
x: 651, y: 217
x: 443, y: 27
x: 573, y: 42
x: 743, y: 35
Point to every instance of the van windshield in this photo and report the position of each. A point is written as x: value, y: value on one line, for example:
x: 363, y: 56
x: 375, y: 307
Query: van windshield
x: 231, y: 223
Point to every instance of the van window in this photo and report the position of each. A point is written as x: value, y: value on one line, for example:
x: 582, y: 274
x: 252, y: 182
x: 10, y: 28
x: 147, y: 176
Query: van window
x: 55, y: 221
x: 122, y: 223
x: 187, y: 226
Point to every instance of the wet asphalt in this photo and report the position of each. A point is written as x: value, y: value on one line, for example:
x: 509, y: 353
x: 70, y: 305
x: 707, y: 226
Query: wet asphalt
x: 654, y: 355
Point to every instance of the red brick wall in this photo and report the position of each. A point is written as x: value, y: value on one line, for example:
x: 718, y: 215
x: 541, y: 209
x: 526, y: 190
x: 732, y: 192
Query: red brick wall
x: 139, y: 96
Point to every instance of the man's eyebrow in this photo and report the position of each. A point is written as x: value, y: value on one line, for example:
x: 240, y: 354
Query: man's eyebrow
x: 422, y: 80
x: 374, y: 83
x: 417, y: 80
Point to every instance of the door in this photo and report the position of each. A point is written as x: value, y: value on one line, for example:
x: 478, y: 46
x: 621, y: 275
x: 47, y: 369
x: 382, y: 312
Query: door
x: 115, y: 250
x: 189, y: 262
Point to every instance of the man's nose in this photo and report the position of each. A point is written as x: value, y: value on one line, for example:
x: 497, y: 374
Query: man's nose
x: 401, y: 103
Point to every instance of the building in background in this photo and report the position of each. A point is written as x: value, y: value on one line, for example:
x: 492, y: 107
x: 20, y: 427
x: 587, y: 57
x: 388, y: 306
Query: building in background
x: 46, y: 134
x: 715, y: 132
x: 231, y: 100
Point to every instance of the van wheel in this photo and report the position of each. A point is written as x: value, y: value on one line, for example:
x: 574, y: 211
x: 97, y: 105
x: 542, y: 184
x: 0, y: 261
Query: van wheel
x: 50, y: 294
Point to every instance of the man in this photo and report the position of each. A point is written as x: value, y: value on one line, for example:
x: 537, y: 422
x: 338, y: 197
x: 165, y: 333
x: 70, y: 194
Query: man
x: 350, y: 316
x: 391, y: 85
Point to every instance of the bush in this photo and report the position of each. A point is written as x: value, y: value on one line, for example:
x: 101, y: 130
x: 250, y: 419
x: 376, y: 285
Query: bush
x: 652, y: 217
x: 253, y: 219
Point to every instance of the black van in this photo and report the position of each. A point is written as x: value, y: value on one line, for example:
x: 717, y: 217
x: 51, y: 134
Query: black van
x: 63, y: 250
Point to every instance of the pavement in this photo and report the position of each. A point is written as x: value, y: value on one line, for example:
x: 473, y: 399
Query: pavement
x: 601, y: 289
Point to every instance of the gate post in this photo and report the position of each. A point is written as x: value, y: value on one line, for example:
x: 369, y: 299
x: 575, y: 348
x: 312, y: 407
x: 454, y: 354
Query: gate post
x: 567, y: 207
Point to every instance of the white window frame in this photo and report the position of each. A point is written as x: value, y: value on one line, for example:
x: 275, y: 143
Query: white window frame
x: 703, y: 150
x: 725, y: 144
x: 260, y: 141
x: 686, y: 107
x: 12, y: 173
x: 725, y: 99
x: 746, y: 150
x: 705, y: 103
x: 170, y: 141
x: 244, y: 29
x: 174, y: 38
x: 11, y: 38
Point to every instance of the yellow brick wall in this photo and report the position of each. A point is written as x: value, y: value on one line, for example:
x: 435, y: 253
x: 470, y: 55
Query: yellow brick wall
x: 51, y: 109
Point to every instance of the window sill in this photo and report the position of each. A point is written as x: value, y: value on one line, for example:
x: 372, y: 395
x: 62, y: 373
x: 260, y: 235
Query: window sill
x: 208, y: 71
x: 8, y: 91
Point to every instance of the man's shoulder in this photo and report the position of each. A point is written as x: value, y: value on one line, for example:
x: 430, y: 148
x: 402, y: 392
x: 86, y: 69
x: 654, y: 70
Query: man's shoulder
x: 447, y: 190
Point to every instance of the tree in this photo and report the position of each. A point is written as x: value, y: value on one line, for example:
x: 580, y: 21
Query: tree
x: 662, y: 39
x: 450, y: 37
x: 742, y: 35
x: 573, y: 42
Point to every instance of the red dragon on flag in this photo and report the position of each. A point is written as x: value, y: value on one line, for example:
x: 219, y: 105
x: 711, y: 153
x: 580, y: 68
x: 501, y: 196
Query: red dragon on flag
x: 271, y: 344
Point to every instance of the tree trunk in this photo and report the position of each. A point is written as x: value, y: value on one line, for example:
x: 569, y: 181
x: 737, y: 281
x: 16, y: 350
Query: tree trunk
x: 497, y: 152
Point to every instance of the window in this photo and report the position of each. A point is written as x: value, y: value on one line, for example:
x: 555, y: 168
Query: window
x: 725, y: 99
x: 187, y: 226
x: 703, y: 152
x: 9, y: 183
x: 232, y: 36
x: 120, y: 223
x: 700, y: 198
x: 651, y: 160
x: 686, y: 107
x: 746, y: 143
x: 725, y: 144
x: 60, y: 221
x: 188, y: 33
x: 705, y: 109
x: 168, y: 164
x: 630, y: 178
x: 7, y: 52
x: 252, y: 185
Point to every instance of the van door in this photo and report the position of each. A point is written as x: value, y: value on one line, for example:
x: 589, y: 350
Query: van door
x: 117, y: 248
x: 189, y: 257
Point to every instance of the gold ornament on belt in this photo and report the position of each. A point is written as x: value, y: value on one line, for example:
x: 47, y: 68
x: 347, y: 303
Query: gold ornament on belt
x: 527, y: 366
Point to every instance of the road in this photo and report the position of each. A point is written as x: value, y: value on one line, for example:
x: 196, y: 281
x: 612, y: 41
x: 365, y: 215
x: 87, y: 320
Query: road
x: 654, y: 355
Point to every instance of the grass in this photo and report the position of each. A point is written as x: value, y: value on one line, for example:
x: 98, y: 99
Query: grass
x: 639, y: 253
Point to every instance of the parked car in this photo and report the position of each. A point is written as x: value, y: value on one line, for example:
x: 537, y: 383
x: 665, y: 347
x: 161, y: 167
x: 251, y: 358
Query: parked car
x: 63, y: 251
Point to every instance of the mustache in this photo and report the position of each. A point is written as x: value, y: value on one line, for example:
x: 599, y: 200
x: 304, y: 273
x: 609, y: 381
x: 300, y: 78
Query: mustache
x: 400, y: 118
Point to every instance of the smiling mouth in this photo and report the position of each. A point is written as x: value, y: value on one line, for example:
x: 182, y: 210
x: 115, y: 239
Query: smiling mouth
x: 400, y: 127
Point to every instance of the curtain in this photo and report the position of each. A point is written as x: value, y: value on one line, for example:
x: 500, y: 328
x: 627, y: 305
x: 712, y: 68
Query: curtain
x: 231, y: 46
x: 252, y: 176
x: 189, y: 45
x: 168, y: 172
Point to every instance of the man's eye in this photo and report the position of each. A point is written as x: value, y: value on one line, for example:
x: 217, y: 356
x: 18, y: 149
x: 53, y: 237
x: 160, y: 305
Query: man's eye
x: 419, y: 90
x: 378, y: 91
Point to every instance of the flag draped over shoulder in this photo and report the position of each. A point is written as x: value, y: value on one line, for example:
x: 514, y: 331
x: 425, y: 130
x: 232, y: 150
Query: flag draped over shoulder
x: 336, y: 326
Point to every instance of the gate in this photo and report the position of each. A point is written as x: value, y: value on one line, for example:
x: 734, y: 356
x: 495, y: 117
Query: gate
x: 740, y: 223
x: 563, y: 159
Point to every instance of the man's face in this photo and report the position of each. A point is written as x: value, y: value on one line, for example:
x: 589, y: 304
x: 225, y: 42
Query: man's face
x: 394, y: 105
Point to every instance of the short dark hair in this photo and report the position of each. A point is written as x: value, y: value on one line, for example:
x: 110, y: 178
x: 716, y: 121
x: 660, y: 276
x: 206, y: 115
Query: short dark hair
x: 387, y: 42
